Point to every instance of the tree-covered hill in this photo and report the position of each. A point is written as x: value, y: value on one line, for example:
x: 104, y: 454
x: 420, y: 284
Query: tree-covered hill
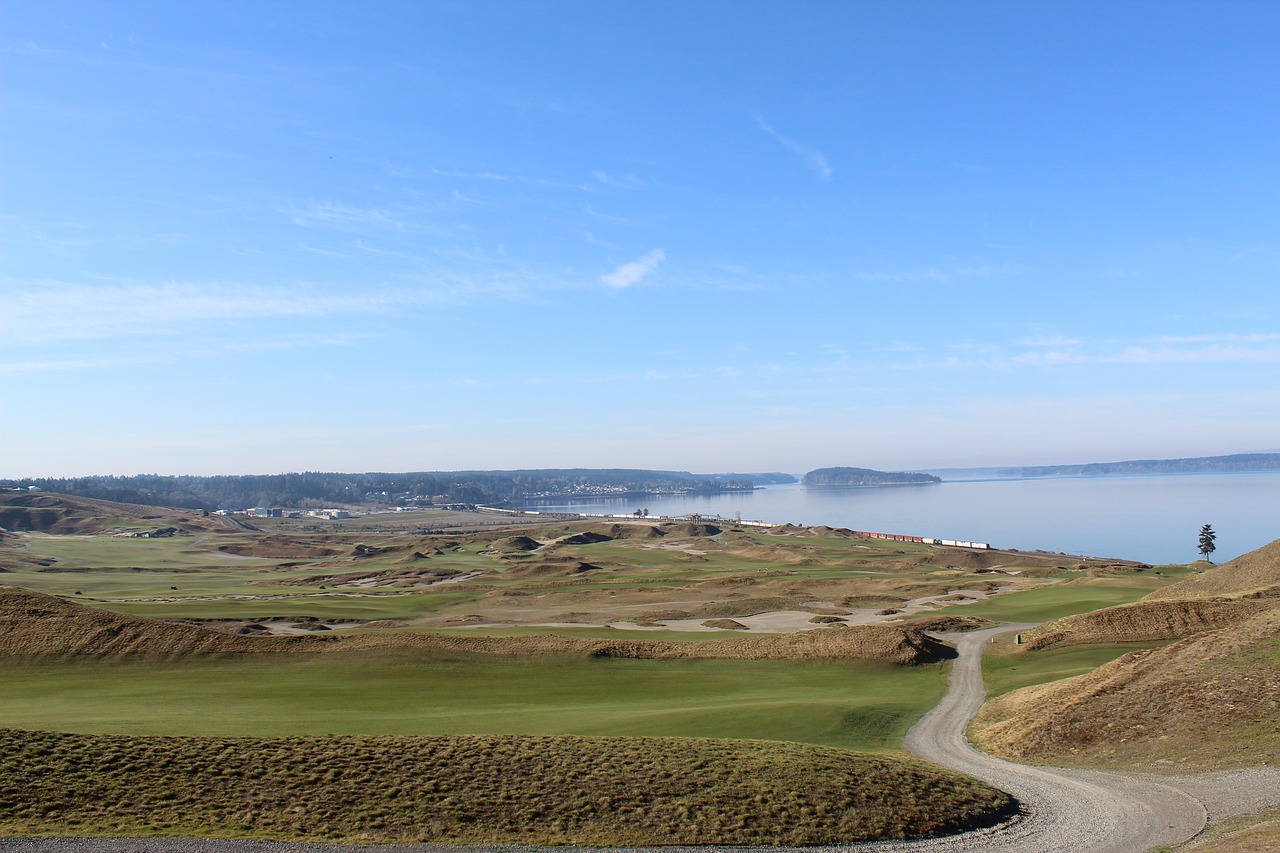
x: 865, y: 477
x: 313, y: 489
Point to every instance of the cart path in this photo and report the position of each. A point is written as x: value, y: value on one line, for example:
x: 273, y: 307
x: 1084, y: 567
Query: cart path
x: 1062, y: 811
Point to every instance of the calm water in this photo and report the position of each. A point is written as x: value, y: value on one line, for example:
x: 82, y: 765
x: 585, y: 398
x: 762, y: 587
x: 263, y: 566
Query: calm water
x: 1154, y: 519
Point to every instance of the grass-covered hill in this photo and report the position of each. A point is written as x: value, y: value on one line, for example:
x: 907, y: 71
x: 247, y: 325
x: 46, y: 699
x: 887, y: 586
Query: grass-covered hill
x: 33, y: 624
x: 843, y: 476
x: 471, y: 790
x: 1252, y: 575
x: 1209, y: 700
x: 67, y: 514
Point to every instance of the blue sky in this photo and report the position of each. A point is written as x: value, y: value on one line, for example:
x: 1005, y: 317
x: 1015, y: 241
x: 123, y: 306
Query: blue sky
x: 691, y: 235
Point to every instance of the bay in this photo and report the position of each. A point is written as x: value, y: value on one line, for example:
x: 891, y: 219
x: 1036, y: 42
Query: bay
x: 1153, y: 519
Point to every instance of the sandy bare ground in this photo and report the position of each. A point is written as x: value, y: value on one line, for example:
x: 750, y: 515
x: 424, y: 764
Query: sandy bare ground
x: 1063, y: 811
x: 781, y: 621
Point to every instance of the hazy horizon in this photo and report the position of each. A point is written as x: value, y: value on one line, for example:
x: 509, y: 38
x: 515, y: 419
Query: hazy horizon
x: 754, y: 236
x: 697, y: 469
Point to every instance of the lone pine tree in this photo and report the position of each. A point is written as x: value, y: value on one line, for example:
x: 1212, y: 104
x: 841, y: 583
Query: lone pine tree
x: 1206, y: 546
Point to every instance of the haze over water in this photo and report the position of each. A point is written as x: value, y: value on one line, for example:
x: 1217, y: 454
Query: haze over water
x: 1153, y: 519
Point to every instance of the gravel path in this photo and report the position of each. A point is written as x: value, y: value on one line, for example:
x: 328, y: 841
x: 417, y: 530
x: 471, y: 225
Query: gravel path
x: 1063, y: 811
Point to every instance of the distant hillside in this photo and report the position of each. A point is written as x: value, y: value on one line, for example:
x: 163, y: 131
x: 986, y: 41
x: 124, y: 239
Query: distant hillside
x: 1211, y: 699
x: 864, y: 477
x: 770, y: 478
x: 1199, y: 465
x: 319, y: 489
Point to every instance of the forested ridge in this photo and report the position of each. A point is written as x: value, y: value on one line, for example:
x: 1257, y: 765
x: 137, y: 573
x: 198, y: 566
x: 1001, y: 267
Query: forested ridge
x: 312, y: 488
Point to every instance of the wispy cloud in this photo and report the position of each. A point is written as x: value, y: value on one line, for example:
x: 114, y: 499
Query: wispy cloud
x: 1060, y: 351
x: 1246, y: 253
x: 811, y: 157
x: 1232, y: 337
x: 632, y: 273
x: 333, y: 214
x: 57, y: 311
x: 937, y: 274
x: 493, y: 176
x: 1053, y: 341
x: 629, y: 182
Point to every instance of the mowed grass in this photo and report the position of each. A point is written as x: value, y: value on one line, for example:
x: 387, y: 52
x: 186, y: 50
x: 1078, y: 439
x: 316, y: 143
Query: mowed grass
x: 846, y: 704
x: 1054, y: 602
x: 1005, y: 668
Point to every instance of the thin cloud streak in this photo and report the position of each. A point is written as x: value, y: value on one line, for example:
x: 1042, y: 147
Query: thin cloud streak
x: 634, y: 272
x: 812, y: 157
x: 63, y: 312
x: 934, y: 274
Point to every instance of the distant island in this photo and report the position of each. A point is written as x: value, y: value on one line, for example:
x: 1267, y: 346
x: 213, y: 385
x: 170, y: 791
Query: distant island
x: 865, y: 477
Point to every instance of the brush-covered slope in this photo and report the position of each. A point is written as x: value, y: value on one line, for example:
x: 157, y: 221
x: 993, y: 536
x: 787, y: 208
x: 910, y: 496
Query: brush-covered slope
x: 478, y: 790
x: 34, y: 624
x: 1211, y: 700
x: 46, y: 512
x: 1227, y: 595
x: 1256, y: 574
x: 1144, y: 621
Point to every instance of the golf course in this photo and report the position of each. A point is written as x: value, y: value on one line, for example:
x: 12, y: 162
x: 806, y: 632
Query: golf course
x: 564, y: 682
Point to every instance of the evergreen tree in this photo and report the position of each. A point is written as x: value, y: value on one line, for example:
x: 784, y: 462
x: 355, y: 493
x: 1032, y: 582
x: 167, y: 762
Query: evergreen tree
x: 1206, y: 542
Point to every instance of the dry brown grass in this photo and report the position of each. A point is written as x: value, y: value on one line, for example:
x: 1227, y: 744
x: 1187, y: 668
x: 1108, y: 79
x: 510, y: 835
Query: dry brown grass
x: 1144, y: 621
x: 47, y: 512
x: 1253, y: 835
x: 513, y: 790
x: 1254, y: 574
x: 1211, y: 700
x: 32, y: 624
x: 282, y: 547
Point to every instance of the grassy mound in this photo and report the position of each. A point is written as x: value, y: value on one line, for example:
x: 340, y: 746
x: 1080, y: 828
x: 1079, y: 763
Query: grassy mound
x: 1256, y: 573
x: 1145, y: 620
x: 285, y: 547
x: 526, y: 790
x: 384, y: 577
x: 1211, y: 700
x: 32, y: 624
x: 551, y: 567
x: 47, y: 512
x: 515, y: 543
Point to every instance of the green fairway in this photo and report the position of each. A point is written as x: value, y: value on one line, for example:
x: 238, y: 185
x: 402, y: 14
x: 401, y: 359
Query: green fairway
x: 1054, y: 602
x: 1007, y: 668
x: 852, y: 705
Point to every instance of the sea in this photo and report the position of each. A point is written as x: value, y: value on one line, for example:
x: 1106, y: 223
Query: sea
x: 1153, y: 519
